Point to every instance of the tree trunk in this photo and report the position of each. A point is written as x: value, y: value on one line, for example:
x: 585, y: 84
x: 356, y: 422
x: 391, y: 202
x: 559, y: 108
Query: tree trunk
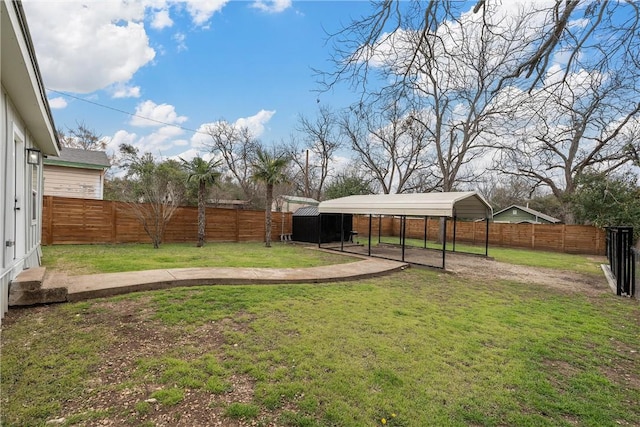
x: 441, y: 230
x: 267, y: 215
x: 202, y: 220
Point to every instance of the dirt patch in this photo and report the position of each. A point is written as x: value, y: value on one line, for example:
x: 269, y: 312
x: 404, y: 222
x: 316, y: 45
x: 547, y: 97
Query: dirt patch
x: 565, y: 281
x: 136, y: 336
x: 483, y: 268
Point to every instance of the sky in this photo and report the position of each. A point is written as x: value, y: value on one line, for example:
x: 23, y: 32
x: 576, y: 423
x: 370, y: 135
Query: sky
x: 185, y: 64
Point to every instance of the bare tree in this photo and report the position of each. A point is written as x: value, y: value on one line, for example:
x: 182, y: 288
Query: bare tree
x: 81, y: 137
x: 154, y: 190
x: 348, y: 182
x: 300, y: 172
x: 562, y: 26
x: 237, y: 147
x: 314, y: 159
x: 448, y: 77
x: 463, y: 69
x: 502, y: 191
x: 385, y: 145
x: 588, y: 120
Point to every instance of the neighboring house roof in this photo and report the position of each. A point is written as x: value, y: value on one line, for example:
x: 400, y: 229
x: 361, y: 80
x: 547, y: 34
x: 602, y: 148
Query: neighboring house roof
x: 464, y: 204
x: 300, y: 200
x: 78, y: 158
x: 228, y: 202
x: 307, y: 211
x: 530, y: 211
x: 21, y: 76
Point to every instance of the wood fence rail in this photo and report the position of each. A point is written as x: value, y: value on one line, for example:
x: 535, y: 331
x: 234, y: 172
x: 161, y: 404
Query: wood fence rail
x: 81, y: 221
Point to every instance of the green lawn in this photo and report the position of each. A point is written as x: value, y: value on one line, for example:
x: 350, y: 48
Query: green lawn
x: 88, y: 259
x: 417, y: 348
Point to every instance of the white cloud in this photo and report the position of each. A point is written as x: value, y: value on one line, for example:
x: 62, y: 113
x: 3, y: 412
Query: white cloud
x: 161, y: 19
x: 159, y: 143
x: 86, y: 46
x: 158, y: 113
x: 256, y: 123
x: 578, y: 23
x: 57, y: 103
x: 125, y: 91
x: 202, y: 10
x: 120, y: 137
x: 180, y: 38
x: 272, y: 6
x: 341, y: 164
x: 191, y: 153
x: 201, y: 138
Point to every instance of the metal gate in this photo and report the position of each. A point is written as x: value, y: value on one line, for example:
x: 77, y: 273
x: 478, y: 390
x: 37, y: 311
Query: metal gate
x: 621, y: 254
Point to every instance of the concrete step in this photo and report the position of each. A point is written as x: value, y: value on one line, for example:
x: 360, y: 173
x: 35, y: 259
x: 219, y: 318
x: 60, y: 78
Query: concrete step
x: 26, y: 289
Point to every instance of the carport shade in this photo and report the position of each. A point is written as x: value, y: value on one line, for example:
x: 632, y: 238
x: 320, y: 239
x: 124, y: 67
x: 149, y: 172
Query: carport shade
x: 457, y: 205
x: 461, y: 205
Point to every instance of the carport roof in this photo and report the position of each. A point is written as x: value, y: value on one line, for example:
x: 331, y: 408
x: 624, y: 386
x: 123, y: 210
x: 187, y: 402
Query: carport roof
x: 464, y: 204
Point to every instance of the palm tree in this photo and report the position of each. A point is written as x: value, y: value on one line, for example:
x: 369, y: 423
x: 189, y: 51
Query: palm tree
x: 203, y: 172
x: 270, y: 169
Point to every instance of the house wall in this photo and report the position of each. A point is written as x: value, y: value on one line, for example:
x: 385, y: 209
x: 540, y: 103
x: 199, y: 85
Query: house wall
x: 78, y: 183
x: 25, y: 122
x: 520, y: 216
x: 20, y: 193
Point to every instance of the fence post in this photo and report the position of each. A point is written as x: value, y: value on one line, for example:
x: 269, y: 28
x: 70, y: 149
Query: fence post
x: 618, y: 269
x: 533, y: 236
x: 50, y: 220
x: 114, y: 222
x: 635, y: 261
x: 237, y: 230
x: 621, y: 257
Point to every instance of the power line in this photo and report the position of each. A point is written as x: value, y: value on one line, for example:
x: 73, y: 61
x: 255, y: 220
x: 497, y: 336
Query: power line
x: 126, y: 112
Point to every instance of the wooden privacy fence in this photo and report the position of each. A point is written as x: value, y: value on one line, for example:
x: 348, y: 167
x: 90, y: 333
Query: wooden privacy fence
x: 574, y: 239
x: 80, y: 221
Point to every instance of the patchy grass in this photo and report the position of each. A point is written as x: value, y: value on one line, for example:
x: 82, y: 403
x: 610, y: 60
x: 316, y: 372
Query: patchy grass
x: 415, y: 348
x: 88, y: 259
x: 242, y: 410
x: 46, y: 360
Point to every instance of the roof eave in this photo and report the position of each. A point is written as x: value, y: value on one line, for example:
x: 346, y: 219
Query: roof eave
x: 21, y: 78
x: 433, y: 204
x: 49, y: 162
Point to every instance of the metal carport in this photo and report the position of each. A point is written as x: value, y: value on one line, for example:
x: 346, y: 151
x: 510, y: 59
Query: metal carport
x: 468, y: 205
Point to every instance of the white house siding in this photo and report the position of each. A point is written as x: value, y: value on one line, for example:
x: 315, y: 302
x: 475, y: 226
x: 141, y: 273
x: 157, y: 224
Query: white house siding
x: 25, y: 122
x: 73, y: 182
x: 20, y: 191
